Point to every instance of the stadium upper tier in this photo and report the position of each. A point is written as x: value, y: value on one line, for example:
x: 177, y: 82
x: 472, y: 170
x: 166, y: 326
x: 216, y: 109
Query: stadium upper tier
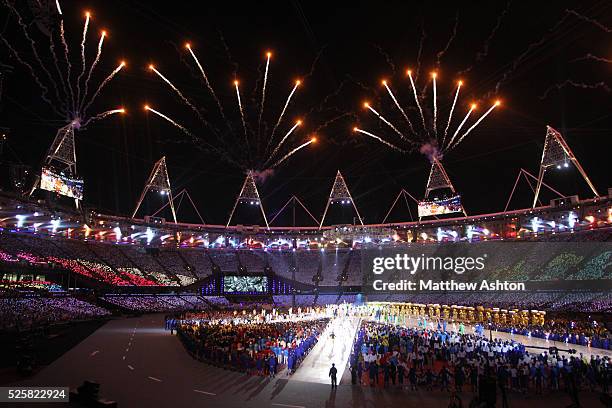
x: 567, y: 260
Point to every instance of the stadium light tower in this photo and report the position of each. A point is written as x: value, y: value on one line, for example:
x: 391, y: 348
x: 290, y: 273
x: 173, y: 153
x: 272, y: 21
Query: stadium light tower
x: 556, y: 152
x: 249, y: 193
x: 339, y: 194
x: 158, y: 181
x: 61, y: 155
x: 438, y: 179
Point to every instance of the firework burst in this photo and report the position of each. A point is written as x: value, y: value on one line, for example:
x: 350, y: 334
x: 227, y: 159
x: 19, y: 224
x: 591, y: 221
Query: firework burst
x: 423, y: 132
x: 70, y: 99
x: 240, y: 133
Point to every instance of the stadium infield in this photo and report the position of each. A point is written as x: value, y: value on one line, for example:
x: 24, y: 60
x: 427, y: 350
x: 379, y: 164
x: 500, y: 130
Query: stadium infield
x: 139, y: 364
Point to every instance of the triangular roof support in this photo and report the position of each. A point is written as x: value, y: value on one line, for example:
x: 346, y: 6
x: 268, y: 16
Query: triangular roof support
x: 555, y: 153
x: 294, y: 200
x: 402, y: 193
x: 249, y: 192
x: 526, y: 175
x: 158, y: 181
x: 339, y: 193
x: 438, y: 178
x: 180, y: 197
x: 62, y: 151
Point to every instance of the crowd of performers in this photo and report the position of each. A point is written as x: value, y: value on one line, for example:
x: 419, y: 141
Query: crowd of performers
x: 531, y: 323
x: 263, y: 343
x: 392, y: 350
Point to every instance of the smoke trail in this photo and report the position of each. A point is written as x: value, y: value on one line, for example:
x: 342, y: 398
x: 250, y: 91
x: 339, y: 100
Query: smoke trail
x: 207, y: 83
x: 68, y: 64
x: 102, y: 116
x: 449, y: 146
x: 441, y: 53
x: 34, y: 50
x: 484, y: 52
x: 589, y: 20
x: 384, y: 120
x: 568, y: 82
x: 241, y: 110
x: 78, y: 82
x: 244, y: 126
x: 518, y: 60
x: 196, y: 140
x: 102, y: 85
x: 435, y: 106
x: 485, y: 47
x: 416, y: 99
x: 591, y: 57
x: 263, y: 94
x: 335, y: 119
x: 228, y: 53
x: 484, y: 115
x: 399, y: 107
x: 381, y: 140
x: 57, y: 68
x: 280, y: 117
x: 278, y: 146
x: 173, y: 122
x: 40, y: 84
x: 93, y: 66
x: 315, y: 62
x: 179, y: 93
x: 450, y: 115
x: 386, y: 56
x: 292, y: 152
x: 322, y: 106
x: 420, y: 51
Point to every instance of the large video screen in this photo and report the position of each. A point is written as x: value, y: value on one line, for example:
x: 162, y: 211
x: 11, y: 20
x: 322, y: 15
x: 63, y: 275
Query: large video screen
x: 245, y: 284
x: 59, y: 183
x: 438, y: 207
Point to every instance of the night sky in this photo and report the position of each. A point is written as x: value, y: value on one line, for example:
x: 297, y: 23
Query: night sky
x: 355, y: 44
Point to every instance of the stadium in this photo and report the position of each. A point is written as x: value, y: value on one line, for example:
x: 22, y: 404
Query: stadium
x: 141, y: 306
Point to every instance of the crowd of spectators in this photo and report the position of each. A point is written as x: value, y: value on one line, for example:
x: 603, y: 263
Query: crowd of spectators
x: 157, y: 303
x: 24, y: 312
x: 182, y: 267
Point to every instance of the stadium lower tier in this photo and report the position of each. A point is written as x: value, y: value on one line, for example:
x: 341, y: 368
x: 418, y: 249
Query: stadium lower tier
x: 581, y: 259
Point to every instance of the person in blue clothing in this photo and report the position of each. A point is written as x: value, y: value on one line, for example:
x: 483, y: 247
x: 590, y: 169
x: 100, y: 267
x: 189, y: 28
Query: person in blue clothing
x: 273, y: 366
x: 290, y: 363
